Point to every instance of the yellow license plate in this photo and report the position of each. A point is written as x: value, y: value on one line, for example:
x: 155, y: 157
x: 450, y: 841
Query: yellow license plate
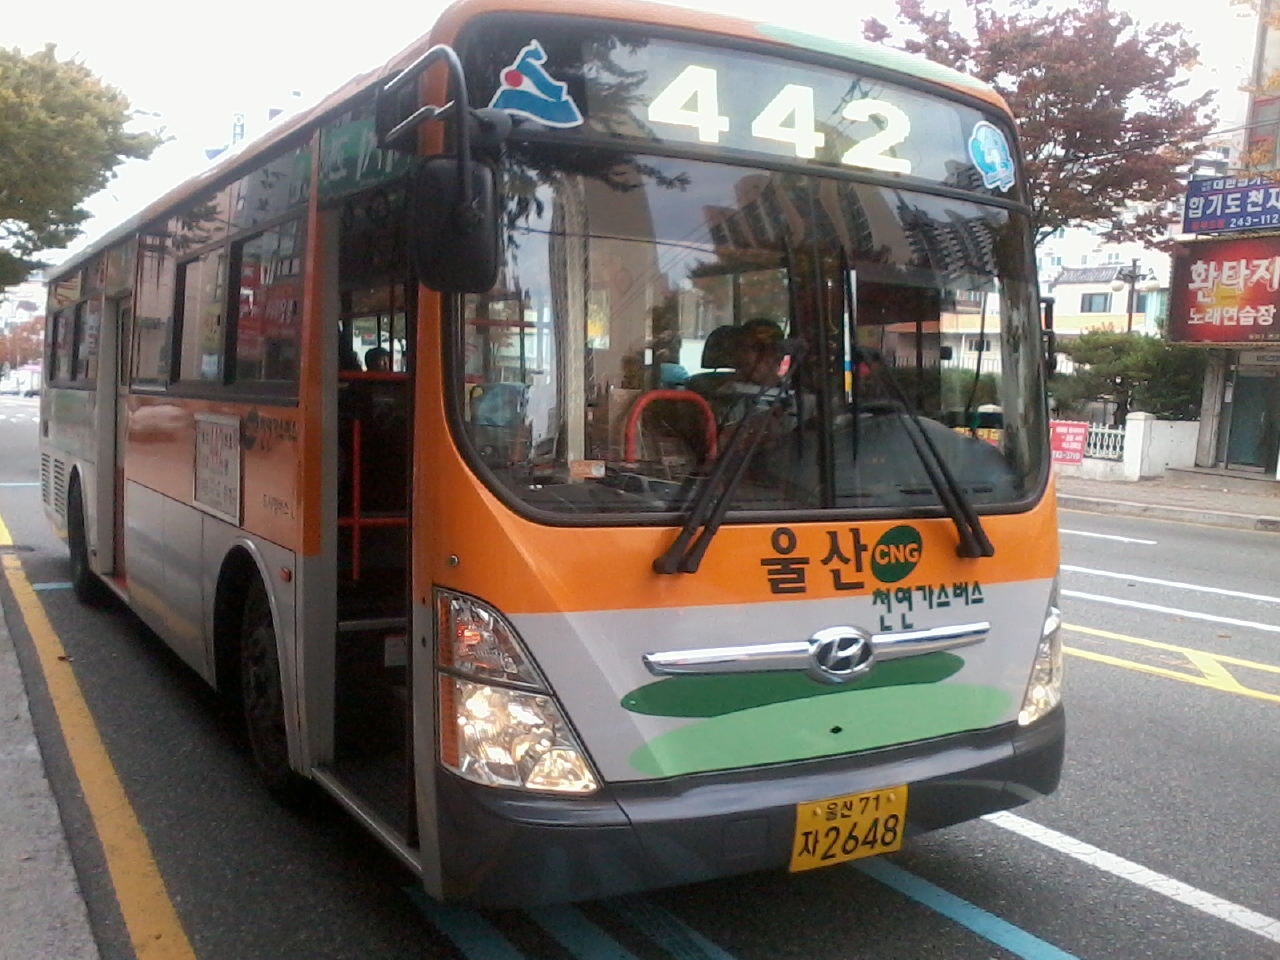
x: 840, y: 829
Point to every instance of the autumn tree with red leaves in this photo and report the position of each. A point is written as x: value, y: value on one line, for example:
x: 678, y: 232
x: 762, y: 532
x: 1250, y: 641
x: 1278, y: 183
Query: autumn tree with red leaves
x: 21, y: 343
x: 1106, y: 136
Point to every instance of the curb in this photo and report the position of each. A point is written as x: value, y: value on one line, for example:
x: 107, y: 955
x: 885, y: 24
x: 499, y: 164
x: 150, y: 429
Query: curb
x: 45, y: 915
x: 1154, y: 511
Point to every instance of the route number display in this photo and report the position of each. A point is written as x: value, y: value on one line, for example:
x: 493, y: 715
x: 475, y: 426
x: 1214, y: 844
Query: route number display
x: 692, y: 99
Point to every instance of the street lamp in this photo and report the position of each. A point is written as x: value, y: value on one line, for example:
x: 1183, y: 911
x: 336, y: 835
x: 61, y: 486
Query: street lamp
x: 1134, y: 275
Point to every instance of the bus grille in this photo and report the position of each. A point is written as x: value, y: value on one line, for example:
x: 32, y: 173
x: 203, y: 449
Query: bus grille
x: 46, y: 492
x: 60, y: 488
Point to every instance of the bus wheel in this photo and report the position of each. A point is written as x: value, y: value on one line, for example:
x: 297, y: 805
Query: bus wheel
x: 88, y: 588
x: 263, y: 698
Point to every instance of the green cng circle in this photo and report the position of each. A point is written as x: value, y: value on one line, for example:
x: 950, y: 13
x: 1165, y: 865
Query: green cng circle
x: 896, y: 554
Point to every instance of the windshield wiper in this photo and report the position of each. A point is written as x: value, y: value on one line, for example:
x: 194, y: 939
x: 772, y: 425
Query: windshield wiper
x: 716, y: 493
x: 974, y: 541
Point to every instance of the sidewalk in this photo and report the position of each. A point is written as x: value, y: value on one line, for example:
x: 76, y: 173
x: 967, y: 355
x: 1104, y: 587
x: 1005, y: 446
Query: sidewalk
x: 1160, y: 500
x: 42, y: 914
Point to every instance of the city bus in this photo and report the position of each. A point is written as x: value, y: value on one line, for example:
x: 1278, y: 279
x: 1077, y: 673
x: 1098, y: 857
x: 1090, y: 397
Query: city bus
x: 566, y: 447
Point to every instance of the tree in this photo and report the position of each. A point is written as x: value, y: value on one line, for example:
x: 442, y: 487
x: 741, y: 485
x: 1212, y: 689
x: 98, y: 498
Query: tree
x: 61, y: 137
x: 1105, y: 135
x: 22, y: 343
x: 1136, y: 371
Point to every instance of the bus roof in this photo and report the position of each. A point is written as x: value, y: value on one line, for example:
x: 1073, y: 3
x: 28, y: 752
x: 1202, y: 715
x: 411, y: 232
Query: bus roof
x: 247, y: 156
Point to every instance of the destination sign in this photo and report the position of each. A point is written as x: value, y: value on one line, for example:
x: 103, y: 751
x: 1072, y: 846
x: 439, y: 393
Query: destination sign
x: 564, y: 77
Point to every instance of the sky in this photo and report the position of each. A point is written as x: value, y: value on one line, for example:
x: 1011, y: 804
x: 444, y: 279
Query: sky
x: 191, y: 72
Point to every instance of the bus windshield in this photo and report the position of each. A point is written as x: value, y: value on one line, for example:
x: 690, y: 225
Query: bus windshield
x: 643, y: 303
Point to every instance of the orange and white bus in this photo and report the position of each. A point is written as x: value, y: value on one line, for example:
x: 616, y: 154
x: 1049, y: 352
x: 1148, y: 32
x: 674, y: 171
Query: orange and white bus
x: 565, y: 447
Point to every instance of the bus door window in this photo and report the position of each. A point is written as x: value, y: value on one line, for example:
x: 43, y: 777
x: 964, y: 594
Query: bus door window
x: 377, y: 303
x: 374, y: 431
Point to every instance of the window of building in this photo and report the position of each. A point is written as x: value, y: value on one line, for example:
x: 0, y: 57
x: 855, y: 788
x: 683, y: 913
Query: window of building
x: 977, y: 344
x: 1055, y: 261
x: 1113, y: 256
x: 1139, y: 303
x: 268, y: 307
x: 1095, y: 303
x: 201, y: 300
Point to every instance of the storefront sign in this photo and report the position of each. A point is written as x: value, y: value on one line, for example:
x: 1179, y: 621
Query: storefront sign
x: 1226, y: 292
x: 1067, y: 440
x: 1231, y: 204
x: 1256, y: 358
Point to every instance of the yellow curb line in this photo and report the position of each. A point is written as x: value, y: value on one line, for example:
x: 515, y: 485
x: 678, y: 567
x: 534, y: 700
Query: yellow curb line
x: 149, y: 914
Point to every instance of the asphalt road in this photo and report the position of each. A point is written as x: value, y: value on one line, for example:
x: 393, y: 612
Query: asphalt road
x: 1173, y: 766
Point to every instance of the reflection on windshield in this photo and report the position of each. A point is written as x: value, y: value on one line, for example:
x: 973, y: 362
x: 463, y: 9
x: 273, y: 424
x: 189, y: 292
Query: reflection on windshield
x: 643, y: 302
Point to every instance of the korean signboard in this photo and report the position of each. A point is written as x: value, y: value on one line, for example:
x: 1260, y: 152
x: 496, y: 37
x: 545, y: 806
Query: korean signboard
x: 1226, y: 291
x: 217, y: 474
x: 1231, y: 204
x: 1067, y: 440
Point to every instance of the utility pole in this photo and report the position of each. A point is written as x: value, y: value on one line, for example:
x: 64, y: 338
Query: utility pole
x: 1132, y: 277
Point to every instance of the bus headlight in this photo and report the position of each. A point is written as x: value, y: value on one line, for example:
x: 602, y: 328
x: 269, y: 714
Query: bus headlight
x: 1044, y: 689
x: 499, y: 724
x: 509, y: 738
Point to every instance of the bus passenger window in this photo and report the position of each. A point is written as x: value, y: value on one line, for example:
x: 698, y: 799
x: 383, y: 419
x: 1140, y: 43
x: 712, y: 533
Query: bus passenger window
x: 268, y: 308
x: 202, y: 283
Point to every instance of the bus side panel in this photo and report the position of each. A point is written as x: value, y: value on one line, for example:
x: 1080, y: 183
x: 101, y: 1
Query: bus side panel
x: 162, y: 544
x: 162, y: 456
x: 68, y: 447
x: 69, y: 422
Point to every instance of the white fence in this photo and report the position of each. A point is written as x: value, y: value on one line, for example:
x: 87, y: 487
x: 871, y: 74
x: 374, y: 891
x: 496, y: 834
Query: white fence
x: 1105, y: 443
x: 1143, y: 447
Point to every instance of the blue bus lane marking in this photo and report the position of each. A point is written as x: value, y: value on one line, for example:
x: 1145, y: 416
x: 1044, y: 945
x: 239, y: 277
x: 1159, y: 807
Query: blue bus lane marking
x: 986, y: 925
x: 578, y: 935
x: 665, y: 929
x: 477, y: 939
x: 474, y: 936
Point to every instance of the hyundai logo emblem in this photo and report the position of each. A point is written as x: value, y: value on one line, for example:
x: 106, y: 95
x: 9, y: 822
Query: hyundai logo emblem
x: 840, y: 654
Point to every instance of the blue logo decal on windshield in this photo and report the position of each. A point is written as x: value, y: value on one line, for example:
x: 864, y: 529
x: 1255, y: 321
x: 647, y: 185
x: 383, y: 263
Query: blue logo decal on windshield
x: 991, y: 155
x: 527, y: 90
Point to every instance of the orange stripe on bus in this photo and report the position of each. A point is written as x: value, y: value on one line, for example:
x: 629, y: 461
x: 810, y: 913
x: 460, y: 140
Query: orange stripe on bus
x: 609, y: 568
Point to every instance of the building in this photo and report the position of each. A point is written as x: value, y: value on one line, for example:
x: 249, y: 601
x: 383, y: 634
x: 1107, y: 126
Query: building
x: 1225, y: 287
x: 1225, y: 297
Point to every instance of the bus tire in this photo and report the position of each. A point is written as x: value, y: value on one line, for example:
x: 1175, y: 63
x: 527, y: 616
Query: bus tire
x: 263, y: 699
x: 88, y: 589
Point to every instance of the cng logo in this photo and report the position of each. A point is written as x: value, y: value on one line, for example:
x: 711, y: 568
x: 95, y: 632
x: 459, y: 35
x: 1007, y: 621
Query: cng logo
x: 896, y: 554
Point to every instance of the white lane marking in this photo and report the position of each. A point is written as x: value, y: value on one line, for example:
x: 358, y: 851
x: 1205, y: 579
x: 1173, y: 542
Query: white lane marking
x: 1183, y: 893
x: 1107, y: 536
x: 1171, y: 583
x: 1188, y: 614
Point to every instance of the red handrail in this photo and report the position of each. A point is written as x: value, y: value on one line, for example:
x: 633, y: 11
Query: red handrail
x: 685, y: 396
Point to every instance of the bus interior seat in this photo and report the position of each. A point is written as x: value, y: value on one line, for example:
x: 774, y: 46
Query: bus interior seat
x: 719, y: 361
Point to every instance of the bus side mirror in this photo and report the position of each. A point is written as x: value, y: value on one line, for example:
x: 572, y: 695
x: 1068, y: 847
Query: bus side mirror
x: 454, y: 243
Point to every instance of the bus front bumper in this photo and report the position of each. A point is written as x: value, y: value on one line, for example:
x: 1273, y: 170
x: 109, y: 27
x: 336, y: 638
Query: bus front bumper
x: 508, y: 849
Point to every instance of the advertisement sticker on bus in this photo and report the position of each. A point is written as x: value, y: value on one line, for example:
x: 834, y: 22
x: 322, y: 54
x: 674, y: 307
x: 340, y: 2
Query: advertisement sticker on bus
x: 527, y: 90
